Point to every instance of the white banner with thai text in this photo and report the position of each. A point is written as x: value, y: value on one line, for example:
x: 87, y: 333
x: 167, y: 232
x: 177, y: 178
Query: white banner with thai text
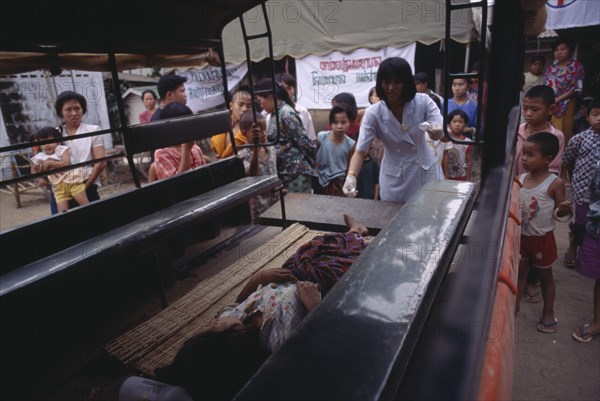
x: 320, y: 78
x: 204, y: 86
x: 572, y: 13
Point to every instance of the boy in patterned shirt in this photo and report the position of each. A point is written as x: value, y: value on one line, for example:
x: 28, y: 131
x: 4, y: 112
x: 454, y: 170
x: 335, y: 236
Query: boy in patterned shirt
x: 580, y: 157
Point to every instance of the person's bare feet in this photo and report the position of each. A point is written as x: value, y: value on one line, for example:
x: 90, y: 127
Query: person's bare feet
x: 355, y: 226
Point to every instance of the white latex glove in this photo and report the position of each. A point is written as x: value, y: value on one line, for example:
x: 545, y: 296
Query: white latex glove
x: 349, y: 187
x: 435, y: 132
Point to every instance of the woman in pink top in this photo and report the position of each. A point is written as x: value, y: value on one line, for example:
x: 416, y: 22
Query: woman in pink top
x: 149, y: 98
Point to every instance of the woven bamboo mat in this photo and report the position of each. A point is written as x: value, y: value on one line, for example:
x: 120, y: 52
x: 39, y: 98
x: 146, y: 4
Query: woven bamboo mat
x: 147, y: 341
x: 155, y: 342
x: 168, y: 350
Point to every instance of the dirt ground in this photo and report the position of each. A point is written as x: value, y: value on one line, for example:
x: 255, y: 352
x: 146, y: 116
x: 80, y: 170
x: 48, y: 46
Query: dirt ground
x: 546, y: 366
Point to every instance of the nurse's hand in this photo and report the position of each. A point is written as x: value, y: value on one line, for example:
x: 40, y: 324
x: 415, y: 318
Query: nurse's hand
x: 349, y: 187
x: 435, y: 132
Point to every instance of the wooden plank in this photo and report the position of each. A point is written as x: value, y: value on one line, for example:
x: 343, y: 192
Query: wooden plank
x: 321, y: 212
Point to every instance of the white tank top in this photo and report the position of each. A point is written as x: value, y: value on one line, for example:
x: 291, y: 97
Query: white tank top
x: 537, y: 208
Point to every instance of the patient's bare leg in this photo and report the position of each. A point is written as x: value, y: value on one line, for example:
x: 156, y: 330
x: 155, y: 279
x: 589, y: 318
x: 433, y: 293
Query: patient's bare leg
x: 355, y: 226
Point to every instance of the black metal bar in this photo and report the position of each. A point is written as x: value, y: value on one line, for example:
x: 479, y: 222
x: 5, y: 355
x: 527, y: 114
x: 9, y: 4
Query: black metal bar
x: 461, y: 6
x: 448, y: 76
x: 227, y: 98
x: 447, y: 82
x: 112, y: 62
x: 463, y: 75
x: 25, y: 145
x: 257, y: 36
x: 269, y: 37
x: 282, y: 202
x: 481, y: 72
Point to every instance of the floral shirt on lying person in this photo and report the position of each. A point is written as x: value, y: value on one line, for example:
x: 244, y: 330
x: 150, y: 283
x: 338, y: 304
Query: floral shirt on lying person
x: 281, y: 309
x: 322, y: 260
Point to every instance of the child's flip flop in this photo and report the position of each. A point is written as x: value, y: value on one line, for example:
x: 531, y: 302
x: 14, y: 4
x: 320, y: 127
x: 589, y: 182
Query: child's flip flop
x: 547, y: 327
x: 569, y: 261
x: 584, y: 337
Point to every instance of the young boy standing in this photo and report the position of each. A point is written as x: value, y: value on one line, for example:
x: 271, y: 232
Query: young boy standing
x: 538, y: 106
x: 581, y: 156
x: 542, y: 201
x: 461, y: 101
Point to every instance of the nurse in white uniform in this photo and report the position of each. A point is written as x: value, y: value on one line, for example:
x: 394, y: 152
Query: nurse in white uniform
x: 408, y: 162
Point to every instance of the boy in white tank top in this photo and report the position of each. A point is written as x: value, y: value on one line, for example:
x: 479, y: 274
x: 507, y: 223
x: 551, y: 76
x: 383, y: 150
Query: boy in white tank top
x: 542, y: 198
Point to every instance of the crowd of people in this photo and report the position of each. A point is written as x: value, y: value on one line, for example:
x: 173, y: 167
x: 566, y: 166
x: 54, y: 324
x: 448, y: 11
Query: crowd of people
x: 386, y: 152
x: 557, y: 149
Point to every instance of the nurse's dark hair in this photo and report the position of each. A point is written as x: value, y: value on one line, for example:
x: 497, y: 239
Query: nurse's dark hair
x: 398, y: 69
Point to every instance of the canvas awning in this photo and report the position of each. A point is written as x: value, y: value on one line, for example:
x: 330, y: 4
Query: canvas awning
x: 141, y: 33
x: 157, y: 33
x: 319, y: 27
x: 17, y: 62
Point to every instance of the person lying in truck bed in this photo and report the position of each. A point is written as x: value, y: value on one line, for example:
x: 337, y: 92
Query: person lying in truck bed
x: 268, y: 310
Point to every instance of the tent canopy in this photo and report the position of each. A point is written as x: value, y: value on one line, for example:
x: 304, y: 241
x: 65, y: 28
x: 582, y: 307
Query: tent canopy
x: 321, y: 26
x: 78, y: 35
x: 70, y: 34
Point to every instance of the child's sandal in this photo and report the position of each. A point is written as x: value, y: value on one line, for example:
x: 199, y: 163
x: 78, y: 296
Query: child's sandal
x: 569, y: 261
x: 584, y: 337
x: 547, y: 327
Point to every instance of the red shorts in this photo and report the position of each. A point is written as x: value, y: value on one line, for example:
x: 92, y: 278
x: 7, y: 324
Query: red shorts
x: 540, y: 251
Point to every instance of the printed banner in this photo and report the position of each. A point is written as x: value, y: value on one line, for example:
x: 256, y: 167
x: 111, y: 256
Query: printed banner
x: 572, y: 13
x: 320, y: 78
x: 204, y: 86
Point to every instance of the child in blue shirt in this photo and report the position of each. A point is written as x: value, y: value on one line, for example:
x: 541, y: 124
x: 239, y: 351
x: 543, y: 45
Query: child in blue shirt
x: 461, y: 101
x: 335, y: 150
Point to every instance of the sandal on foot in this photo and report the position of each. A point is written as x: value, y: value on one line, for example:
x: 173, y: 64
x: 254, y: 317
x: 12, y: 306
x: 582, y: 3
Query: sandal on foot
x: 584, y: 337
x: 569, y: 261
x: 532, y: 298
x: 547, y: 327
